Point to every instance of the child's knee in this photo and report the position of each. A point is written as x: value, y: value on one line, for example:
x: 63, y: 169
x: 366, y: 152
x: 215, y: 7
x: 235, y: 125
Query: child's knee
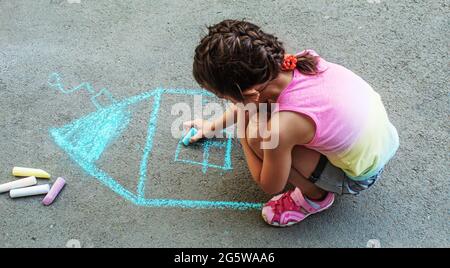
x: 251, y: 131
x: 251, y: 135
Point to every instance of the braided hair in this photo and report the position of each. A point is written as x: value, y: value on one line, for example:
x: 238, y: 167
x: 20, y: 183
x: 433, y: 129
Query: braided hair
x: 236, y: 55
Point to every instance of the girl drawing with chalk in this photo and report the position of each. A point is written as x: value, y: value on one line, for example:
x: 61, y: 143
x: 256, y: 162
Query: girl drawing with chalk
x: 334, y: 136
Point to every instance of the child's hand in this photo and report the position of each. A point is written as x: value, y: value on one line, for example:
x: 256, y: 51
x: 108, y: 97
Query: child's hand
x: 205, y: 129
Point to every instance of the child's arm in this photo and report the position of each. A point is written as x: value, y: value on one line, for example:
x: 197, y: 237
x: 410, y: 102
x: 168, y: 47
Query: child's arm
x: 254, y: 162
x: 228, y: 119
x: 206, y: 129
x: 270, y: 168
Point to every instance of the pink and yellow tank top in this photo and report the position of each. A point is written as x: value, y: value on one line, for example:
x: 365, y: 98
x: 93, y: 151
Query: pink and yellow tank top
x: 352, y: 127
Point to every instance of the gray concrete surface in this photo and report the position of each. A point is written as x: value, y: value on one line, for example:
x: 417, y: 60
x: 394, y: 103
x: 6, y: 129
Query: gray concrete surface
x: 400, y: 47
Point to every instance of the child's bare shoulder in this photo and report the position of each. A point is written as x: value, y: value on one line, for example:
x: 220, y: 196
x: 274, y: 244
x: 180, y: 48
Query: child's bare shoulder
x: 293, y: 127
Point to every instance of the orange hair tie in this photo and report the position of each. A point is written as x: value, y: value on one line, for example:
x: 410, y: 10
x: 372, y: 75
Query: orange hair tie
x: 289, y: 63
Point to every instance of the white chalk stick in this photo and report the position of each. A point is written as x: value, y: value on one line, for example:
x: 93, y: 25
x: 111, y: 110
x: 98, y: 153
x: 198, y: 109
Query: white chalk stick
x: 18, y: 184
x: 29, y: 191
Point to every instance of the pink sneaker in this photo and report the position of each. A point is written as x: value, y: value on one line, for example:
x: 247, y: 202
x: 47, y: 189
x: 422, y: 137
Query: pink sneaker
x: 291, y: 207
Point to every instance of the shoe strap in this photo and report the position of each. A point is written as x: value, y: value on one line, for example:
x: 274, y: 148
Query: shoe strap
x: 299, y: 200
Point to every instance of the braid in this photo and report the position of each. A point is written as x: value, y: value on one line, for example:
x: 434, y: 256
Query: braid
x: 236, y: 55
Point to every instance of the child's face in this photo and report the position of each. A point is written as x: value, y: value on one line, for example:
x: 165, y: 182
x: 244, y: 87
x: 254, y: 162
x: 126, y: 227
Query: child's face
x: 251, y: 95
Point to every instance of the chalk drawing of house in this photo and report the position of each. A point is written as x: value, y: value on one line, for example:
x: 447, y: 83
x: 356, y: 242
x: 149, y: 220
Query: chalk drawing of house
x: 85, y: 139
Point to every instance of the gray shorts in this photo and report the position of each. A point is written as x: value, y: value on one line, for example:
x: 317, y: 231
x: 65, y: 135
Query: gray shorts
x: 333, y: 179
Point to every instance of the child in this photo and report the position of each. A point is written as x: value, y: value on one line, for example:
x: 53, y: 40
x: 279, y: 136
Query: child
x: 334, y: 134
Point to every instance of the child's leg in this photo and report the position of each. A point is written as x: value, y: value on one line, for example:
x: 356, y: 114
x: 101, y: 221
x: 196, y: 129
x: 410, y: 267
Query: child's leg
x: 304, y: 162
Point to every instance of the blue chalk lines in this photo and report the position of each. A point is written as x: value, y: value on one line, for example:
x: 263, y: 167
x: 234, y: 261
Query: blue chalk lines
x: 207, y: 144
x: 86, y: 138
x: 89, y: 136
x: 149, y: 145
x: 55, y: 81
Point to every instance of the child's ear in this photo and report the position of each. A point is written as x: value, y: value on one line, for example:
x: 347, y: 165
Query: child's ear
x: 251, y: 95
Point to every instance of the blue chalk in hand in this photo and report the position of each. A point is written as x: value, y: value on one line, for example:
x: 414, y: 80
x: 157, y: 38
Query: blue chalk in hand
x: 192, y: 132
